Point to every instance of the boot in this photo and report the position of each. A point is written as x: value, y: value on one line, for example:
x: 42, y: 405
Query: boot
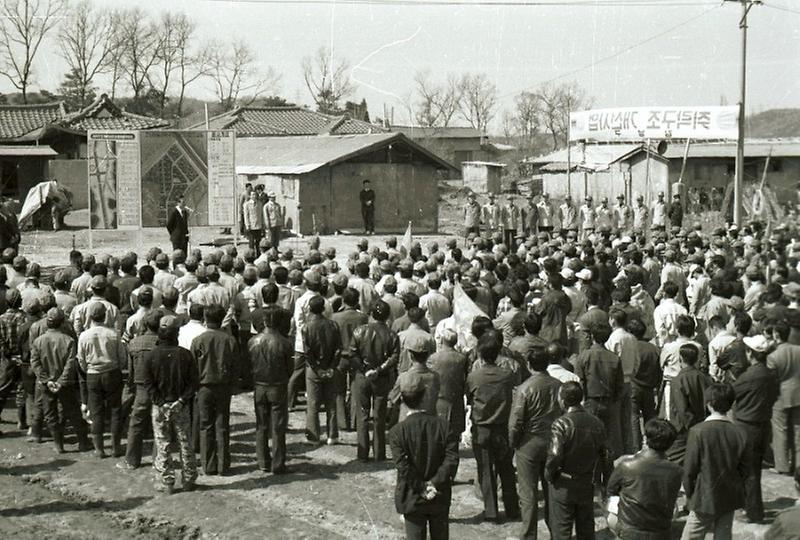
x: 58, y: 440
x: 22, y: 418
x: 99, y: 451
x: 116, y: 446
x: 83, y: 442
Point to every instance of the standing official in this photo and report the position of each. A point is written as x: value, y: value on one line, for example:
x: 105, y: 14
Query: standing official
x: 472, y: 216
x: 568, y: 216
x: 178, y: 225
x: 547, y: 213
x: 623, y: 216
x: 641, y: 217
x: 273, y: 219
x: 492, y: 216
x: 367, y: 198
x: 253, y: 220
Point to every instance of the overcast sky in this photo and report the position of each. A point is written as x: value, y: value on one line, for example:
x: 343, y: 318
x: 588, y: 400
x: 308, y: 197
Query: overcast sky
x: 519, y: 47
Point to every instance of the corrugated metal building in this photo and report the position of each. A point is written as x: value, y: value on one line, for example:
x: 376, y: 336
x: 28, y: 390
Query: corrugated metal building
x: 318, y: 179
x: 602, y: 170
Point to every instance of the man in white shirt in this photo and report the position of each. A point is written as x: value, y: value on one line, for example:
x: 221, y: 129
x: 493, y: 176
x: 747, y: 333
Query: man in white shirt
x: 626, y: 346
x: 435, y: 304
x: 666, y: 314
x: 193, y: 328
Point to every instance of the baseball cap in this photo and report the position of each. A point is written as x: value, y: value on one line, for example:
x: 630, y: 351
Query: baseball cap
x: 736, y: 303
x: 98, y: 283
x: 411, y: 383
x: 758, y: 343
x: 55, y: 316
x: 312, y: 277
x: 97, y: 310
x: 31, y: 305
x: 792, y: 290
x: 340, y: 280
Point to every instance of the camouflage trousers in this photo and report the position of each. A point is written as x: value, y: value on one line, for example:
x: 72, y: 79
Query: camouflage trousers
x: 177, y: 425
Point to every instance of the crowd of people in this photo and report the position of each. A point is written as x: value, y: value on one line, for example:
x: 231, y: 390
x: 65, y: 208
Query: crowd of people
x: 630, y: 359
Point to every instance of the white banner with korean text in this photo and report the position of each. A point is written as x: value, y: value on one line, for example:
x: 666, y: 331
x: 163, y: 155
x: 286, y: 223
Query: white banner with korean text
x: 637, y: 123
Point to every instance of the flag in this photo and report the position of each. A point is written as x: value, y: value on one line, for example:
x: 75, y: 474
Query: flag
x: 405, y: 243
x: 464, y: 312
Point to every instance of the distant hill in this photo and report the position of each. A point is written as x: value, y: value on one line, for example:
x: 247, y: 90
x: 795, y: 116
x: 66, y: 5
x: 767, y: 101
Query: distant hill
x: 774, y: 123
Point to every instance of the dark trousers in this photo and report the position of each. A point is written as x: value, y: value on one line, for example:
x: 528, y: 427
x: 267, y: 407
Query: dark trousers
x: 368, y: 215
x: 758, y: 438
x: 244, y: 366
x: 343, y: 417
x: 272, y: 419
x: 141, y: 411
x: 677, y: 451
x: 508, y: 238
x: 214, y: 404
x: 530, y: 471
x: 182, y: 244
x: 28, y: 413
x: 297, y: 379
x: 253, y: 238
x: 643, y: 408
x: 418, y: 524
x: 9, y: 376
x: 568, y: 508
x: 372, y: 395
x: 494, y: 458
x: 275, y: 236
x: 105, y: 396
x: 319, y: 390
x: 609, y: 413
x: 69, y: 400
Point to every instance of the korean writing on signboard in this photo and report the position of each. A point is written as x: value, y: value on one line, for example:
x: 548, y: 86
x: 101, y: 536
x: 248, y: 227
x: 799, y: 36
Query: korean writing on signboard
x: 654, y: 122
x: 221, y: 177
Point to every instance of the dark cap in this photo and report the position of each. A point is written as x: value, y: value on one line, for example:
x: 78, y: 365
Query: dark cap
x: 98, y: 283
x: 31, y: 305
x: 60, y: 278
x: 55, y: 316
x: 340, y: 280
x: 169, y: 294
x: 411, y: 382
x: 12, y: 296
x: 97, y: 310
x: 168, y: 321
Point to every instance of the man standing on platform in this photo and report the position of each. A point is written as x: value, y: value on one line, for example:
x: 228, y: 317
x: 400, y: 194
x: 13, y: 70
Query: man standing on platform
x: 367, y: 197
x: 623, y: 216
x: 273, y: 219
x: 546, y: 214
x: 178, y: 225
x: 253, y: 222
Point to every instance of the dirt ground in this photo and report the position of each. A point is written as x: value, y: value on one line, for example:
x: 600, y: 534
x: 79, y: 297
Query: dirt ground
x: 327, y: 493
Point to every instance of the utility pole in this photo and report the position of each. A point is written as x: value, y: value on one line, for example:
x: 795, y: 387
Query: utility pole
x: 739, y: 180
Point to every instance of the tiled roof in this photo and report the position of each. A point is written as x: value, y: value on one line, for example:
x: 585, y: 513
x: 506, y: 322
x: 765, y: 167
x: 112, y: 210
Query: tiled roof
x: 450, y: 132
x: 20, y: 120
x: 31, y: 122
x: 104, y: 114
x: 286, y: 121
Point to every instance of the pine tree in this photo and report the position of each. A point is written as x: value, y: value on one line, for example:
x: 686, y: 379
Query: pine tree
x: 75, y: 94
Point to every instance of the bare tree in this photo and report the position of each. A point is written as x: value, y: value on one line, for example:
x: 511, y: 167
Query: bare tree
x: 23, y: 26
x: 553, y: 103
x: 478, y: 101
x: 526, y: 118
x: 234, y: 73
x: 190, y: 64
x: 327, y: 81
x: 139, y: 41
x: 436, y: 104
x: 85, y: 40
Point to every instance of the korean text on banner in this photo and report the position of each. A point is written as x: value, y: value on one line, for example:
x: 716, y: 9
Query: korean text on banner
x: 221, y: 178
x: 637, y: 123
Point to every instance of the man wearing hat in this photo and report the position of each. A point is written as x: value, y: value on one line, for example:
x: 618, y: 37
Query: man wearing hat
x: 418, y: 351
x: 273, y: 219
x: 623, y: 216
x: 568, y: 216
x: 676, y: 211
x: 253, y: 220
x: 530, y: 217
x: 659, y: 222
x: 178, y: 225
x: 641, y: 217
x: 472, y: 216
x: 756, y: 392
x: 510, y: 221
x: 547, y: 213
x: 101, y: 359
x: 11, y: 323
x: 588, y: 217
x: 490, y: 214
x: 605, y: 215
x: 426, y: 455
x: 53, y: 363
x: 80, y: 316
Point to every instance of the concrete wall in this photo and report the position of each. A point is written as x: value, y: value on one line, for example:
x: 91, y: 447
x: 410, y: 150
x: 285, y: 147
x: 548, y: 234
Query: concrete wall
x: 73, y: 175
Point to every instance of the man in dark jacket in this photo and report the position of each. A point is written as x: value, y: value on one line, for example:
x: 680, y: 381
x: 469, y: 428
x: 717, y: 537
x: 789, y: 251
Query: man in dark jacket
x: 756, y: 392
x: 178, y: 226
x: 576, y: 460
x: 140, y: 407
x: 644, y: 382
x: 215, y: 353
x: 271, y: 354
x: 489, y: 391
x: 647, y: 485
x: 53, y: 362
x: 322, y: 342
x: 374, y: 353
x: 687, y: 404
x: 533, y: 410
x: 600, y: 372
x: 171, y: 380
x: 347, y: 320
x: 715, y: 468
x: 593, y: 316
x: 425, y: 453
x: 452, y: 368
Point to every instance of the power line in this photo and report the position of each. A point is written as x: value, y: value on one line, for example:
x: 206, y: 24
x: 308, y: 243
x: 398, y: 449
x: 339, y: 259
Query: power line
x: 621, y: 52
x: 485, y: 3
x: 782, y: 8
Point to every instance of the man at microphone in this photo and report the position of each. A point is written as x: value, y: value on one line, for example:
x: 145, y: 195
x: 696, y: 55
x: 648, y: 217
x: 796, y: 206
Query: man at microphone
x: 178, y: 225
